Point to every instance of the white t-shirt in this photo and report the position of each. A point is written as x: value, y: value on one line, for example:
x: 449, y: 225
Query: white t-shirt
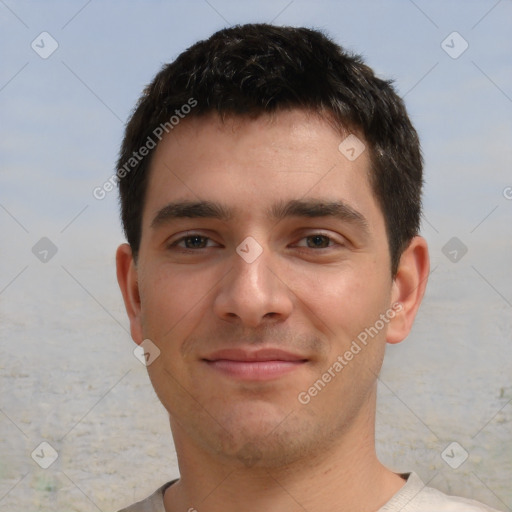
x: 414, y: 496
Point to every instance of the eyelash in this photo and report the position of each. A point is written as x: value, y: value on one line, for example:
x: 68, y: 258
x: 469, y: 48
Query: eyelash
x: 302, y: 248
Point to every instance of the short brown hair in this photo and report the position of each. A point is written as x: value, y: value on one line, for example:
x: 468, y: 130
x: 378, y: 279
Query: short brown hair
x: 254, y: 69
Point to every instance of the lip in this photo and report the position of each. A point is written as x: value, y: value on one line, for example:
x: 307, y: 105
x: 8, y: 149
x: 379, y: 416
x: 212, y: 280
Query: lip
x: 258, y: 365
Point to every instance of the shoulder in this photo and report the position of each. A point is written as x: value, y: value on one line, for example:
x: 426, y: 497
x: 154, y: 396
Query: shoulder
x: 415, y: 496
x: 153, y: 503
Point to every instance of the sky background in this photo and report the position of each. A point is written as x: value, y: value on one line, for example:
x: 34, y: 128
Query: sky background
x: 65, y: 356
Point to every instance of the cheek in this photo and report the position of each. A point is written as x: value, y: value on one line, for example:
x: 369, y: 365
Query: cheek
x: 171, y: 300
x: 365, y: 298
x: 341, y: 301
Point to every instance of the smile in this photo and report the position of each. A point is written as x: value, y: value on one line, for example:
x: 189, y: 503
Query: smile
x: 256, y: 366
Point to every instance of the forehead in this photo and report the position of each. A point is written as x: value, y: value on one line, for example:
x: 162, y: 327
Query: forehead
x: 251, y: 165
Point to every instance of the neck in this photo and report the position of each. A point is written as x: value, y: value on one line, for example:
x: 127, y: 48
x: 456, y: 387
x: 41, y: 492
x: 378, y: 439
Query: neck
x: 345, y: 476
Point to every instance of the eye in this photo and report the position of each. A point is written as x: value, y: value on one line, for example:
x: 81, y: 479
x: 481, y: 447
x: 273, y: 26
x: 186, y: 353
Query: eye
x: 191, y: 241
x: 318, y: 241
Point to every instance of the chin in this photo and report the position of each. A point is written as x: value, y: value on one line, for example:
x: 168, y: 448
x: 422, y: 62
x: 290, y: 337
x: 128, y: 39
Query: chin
x: 262, y: 437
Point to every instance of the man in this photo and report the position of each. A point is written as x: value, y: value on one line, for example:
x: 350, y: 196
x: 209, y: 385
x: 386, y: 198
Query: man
x: 271, y: 195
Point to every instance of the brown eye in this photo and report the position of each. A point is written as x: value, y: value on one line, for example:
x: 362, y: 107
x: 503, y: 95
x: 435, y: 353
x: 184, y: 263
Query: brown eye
x: 195, y: 242
x: 318, y: 241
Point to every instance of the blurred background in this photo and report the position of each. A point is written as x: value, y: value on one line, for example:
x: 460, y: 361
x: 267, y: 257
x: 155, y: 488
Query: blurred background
x: 70, y: 75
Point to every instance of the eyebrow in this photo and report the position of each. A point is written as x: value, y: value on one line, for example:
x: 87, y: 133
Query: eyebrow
x: 191, y: 209
x: 308, y: 208
x: 314, y: 208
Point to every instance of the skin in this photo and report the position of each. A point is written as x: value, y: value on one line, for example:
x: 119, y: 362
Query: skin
x: 251, y: 444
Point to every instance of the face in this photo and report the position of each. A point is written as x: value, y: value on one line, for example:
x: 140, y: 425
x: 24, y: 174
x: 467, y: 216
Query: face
x: 263, y: 259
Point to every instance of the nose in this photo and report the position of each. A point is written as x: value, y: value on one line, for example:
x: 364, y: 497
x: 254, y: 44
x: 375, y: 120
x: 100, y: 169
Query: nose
x: 253, y: 292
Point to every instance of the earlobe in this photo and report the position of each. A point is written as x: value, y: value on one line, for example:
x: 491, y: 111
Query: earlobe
x: 408, y: 288
x: 128, y: 283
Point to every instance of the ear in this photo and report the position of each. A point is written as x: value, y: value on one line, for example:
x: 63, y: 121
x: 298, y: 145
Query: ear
x: 408, y: 288
x: 128, y: 282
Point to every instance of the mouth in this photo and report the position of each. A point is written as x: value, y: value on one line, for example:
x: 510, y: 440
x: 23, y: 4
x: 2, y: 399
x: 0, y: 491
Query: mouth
x: 257, y: 365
